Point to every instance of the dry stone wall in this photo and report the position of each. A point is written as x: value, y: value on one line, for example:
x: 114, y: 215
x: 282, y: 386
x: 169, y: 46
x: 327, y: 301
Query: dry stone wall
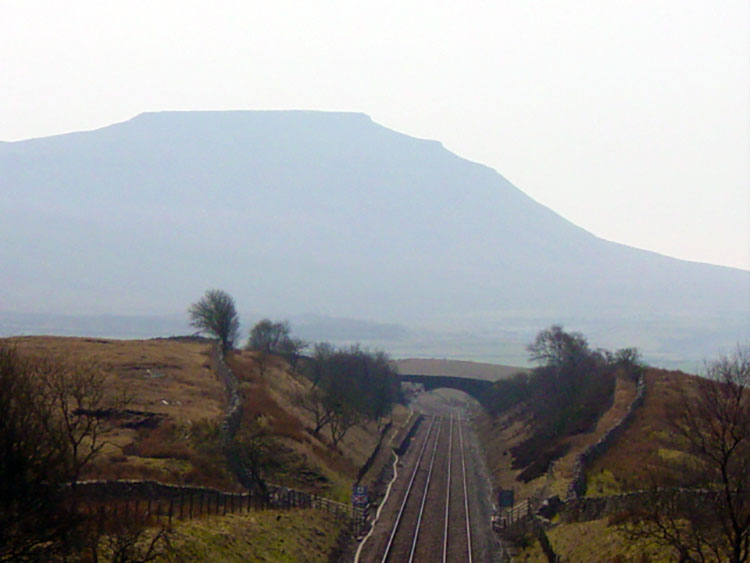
x: 577, y: 487
x: 233, y: 416
x: 593, y: 508
x: 273, y: 496
x: 403, y: 442
x: 584, y: 509
x: 371, y: 459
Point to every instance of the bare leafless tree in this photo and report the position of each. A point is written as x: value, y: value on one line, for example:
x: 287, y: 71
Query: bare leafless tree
x: 85, y: 401
x: 54, y: 415
x: 344, y: 418
x: 292, y: 350
x: 316, y: 402
x: 248, y: 454
x: 34, y: 520
x: 129, y: 540
x: 707, y: 517
x: 269, y: 336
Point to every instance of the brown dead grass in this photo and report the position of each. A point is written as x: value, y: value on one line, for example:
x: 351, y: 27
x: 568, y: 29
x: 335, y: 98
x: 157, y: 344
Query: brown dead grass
x: 501, y: 434
x: 313, y: 463
x: 184, y: 387
x: 648, y: 440
x: 190, y: 399
x: 629, y: 465
x: 167, y: 377
x: 596, y: 541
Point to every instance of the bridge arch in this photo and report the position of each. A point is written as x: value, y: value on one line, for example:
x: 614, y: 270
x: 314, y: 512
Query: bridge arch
x: 476, y: 388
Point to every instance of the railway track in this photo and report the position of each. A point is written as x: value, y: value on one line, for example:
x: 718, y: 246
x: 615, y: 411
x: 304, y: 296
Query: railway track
x: 433, y: 519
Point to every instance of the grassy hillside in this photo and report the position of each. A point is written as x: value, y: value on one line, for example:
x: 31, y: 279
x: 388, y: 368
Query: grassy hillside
x: 647, y: 442
x: 501, y: 434
x: 629, y: 465
x: 176, y: 403
x: 595, y: 542
x: 284, y: 536
x: 169, y: 431
x: 307, y: 461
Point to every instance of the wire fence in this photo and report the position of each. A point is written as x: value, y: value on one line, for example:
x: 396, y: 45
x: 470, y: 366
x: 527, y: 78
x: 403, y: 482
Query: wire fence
x: 159, y: 503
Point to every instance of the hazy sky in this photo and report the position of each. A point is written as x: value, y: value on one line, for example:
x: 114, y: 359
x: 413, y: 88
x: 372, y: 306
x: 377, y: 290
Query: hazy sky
x: 629, y: 118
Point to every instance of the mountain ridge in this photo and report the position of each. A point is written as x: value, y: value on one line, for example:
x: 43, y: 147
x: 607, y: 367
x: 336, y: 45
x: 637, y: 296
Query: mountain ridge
x: 294, y: 211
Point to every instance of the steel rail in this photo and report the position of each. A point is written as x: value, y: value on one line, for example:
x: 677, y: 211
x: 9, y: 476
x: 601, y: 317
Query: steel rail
x: 396, y: 524
x: 418, y: 524
x: 448, y: 493
x: 466, y: 495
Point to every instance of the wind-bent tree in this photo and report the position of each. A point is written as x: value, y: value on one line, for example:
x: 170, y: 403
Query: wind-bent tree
x: 215, y: 314
x: 706, y: 516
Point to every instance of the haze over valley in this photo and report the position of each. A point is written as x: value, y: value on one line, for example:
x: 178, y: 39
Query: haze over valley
x: 352, y: 231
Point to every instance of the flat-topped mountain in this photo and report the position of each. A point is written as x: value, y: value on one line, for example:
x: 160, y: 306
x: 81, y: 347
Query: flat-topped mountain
x: 295, y: 211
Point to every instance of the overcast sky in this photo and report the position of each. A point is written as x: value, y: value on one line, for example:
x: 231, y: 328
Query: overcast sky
x: 628, y: 118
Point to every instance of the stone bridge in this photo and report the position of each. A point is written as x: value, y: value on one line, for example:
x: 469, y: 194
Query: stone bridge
x: 477, y: 388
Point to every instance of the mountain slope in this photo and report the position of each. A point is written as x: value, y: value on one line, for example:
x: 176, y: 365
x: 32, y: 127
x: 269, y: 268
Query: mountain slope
x: 307, y: 211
